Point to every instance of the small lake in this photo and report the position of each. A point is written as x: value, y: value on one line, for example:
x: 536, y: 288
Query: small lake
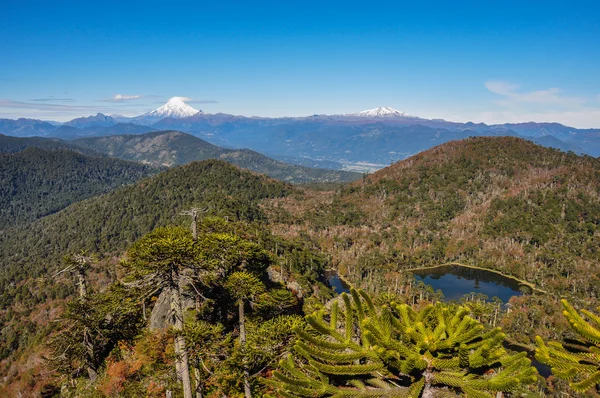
x: 336, y: 283
x: 456, y: 281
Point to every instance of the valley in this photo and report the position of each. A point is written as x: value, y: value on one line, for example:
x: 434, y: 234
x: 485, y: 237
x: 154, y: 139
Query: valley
x: 360, y: 142
x: 299, y: 199
x: 497, y: 203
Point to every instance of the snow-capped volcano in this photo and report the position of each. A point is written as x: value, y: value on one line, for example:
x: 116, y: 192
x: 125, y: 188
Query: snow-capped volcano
x: 175, y: 108
x: 382, y: 111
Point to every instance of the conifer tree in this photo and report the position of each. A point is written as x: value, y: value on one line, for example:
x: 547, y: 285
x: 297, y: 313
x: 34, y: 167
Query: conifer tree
x: 92, y: 328
x: 578, y: 363
x: 159, y: 260
x: 244, y: 286
x: 208, y: 347
x: 395, y: 351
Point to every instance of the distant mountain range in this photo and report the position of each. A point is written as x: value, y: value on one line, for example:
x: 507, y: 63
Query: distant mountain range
x: 363, y: 141
x: 172, y: 148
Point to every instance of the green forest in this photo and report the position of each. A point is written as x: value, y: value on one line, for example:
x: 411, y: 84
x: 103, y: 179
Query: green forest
x: 37, y: 182
x: 206, y: 280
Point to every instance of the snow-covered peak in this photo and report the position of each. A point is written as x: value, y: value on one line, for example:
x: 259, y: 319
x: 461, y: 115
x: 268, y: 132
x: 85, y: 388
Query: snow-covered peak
x: 175, y: 108
x: 382, y: 111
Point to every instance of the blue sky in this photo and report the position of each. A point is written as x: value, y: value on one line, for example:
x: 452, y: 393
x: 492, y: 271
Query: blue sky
x: 487, y: 61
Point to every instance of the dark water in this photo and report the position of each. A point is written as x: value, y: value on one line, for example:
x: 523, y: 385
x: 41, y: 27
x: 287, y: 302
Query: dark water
x: 336, y: 283
x: 455, y: 281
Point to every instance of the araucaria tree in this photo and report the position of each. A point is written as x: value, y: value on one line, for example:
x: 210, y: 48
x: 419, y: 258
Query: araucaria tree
x: 395, y: 351
x: 158, y: 261
x: 244, y: 287
x: 578, y: 363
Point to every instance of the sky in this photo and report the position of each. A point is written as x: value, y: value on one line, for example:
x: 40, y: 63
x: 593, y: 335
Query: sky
x: 482, y: 61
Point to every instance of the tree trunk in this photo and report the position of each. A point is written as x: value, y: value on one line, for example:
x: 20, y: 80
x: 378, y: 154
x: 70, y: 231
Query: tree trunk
x: 92, y: 374
x: 182, y: 363
x: 199, y: 392
x: 247, y: 391
x: 428, y: 391
x: 81, y: 283
x: 194, y: 225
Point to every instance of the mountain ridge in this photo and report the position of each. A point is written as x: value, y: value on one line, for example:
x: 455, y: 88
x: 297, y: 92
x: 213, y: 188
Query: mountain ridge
x: 172, y: 148
x: 36, y: 182
x: 361, y: 143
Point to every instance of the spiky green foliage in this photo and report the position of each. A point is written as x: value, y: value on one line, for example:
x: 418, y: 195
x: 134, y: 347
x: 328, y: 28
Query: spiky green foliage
x: 244, y: 286
x: 394, y: 351
x: 578, y: 363
x: 90, y: 329
x: 154, y: 257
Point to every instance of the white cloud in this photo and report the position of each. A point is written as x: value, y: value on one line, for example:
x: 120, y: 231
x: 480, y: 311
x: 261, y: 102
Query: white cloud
x: 502, y: 88
x: 41, y: 106
x: 124, y: 97
x: 61, y: 112
x: 584, y: 118
x: 512, y: 97
x: 120, y: 98
x: 546, y: 105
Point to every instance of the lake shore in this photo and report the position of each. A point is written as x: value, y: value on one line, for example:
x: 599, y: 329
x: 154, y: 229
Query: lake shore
x: 520, y: 281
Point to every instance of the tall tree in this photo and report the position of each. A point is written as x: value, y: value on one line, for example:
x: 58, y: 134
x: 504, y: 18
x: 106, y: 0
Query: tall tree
x: 395, y: 351
x: 78, y: 264
x: 578, y: 362
x: 91, y: 329
x: 244, y: 287
x: 159, y: 260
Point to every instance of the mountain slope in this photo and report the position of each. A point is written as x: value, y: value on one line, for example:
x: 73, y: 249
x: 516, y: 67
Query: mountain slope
x: 37, y: 182
x: 10, y: 144
x: 170, y: 148
x: 108, y: 223
x: 382, y: 111
x: 351, y: 141
x: 25, y: 127
x: 97, y: 120
x: 496, y: 202
x: 175, y: 108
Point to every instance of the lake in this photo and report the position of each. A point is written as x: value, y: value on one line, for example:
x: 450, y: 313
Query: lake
x: 336, y: 283
x: 456, y: 281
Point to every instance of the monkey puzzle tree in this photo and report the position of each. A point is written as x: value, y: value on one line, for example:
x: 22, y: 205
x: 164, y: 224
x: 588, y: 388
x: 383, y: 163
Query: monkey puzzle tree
x: 577, y: 363
x: 91, y: 328
x: 395, y: 351
x: 243, y: 286
x: 208, y: 347
x: 159, y: 261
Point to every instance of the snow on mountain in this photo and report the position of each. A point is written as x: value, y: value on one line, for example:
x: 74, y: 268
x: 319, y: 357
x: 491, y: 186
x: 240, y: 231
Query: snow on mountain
x: 175, y: 108
x: 382, y: 111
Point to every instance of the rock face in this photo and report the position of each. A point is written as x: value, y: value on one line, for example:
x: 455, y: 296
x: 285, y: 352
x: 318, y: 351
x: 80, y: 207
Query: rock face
x: 160, y: 319
x: 274, y: 276
x: 295, y: 288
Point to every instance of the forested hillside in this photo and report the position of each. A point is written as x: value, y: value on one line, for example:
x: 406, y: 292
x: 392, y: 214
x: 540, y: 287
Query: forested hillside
x: 37, y: 182
x: 107, y: 224
x: 172, y: 148
x: 251, y: 314
x: 10, y: 144
x: 499, y: 203
x: 110, y: 222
